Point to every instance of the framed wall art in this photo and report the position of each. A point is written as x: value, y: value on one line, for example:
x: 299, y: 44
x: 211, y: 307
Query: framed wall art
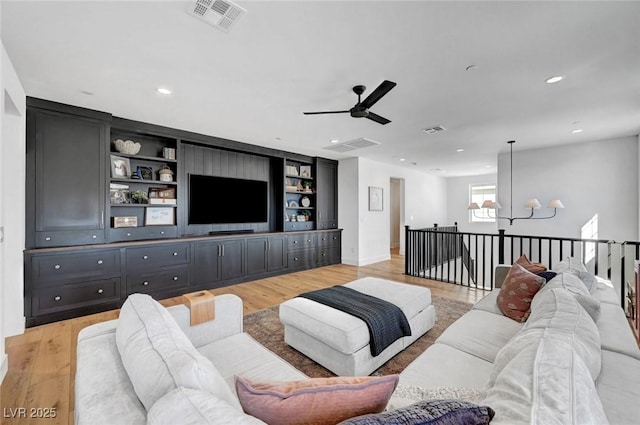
x: 120, y: 167
x: 375, y: 198
x: 159, y: 217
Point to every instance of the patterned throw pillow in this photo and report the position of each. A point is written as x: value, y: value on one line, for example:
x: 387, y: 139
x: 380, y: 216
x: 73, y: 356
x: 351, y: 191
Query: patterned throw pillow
x: 517, y: 291
x: 317, y: 401
x: 529, y: 266
x: 432, y: 412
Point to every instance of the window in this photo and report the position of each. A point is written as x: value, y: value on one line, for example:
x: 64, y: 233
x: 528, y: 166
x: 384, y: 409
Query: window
x: 590, y: 231
x: 478, y: 194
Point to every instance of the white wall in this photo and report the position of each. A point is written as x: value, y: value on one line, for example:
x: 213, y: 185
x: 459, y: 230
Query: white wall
x: 12, y: 203
x: 589, y: 178
x: 458, y: 202
x: 366, y: 234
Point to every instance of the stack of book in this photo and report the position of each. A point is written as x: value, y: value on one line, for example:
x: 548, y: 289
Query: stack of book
x: 162, y: 196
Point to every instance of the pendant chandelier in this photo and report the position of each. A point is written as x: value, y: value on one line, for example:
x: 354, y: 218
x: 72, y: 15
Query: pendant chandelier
x: 532, y: 204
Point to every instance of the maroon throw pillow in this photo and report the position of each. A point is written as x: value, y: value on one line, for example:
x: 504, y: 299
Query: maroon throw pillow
x: 517, y: 292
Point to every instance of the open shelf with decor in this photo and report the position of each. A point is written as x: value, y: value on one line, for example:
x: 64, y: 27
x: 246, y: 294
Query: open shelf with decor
x: 299, y: 196
x: 142, y: 186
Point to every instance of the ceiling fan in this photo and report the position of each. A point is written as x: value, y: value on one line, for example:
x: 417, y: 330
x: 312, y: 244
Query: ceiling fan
x: 361, y: 109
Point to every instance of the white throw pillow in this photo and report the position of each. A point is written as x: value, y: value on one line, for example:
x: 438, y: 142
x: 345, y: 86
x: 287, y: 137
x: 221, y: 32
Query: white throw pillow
x: 574, y: 266
x: 158, y: 356
x: 576, y: 287
x: 186, y: 406
x: 558, y: 309
x: 538, y: 378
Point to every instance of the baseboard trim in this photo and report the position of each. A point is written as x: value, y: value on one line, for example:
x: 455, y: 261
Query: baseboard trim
x: 4, y: 367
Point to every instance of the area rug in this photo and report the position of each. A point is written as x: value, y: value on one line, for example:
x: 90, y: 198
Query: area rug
x: 265, y: 327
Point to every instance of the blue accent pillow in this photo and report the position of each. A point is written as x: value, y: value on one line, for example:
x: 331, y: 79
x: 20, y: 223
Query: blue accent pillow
x: 548, y: 275
x: 431, y: 412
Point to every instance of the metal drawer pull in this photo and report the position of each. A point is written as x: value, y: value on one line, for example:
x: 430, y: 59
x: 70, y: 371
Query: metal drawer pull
x: 174, y: 254
x: 145, y: 257
x: 57, y: 298
x: 295, y: 241
x: 324, y: 254
x: 175, y: 278
x: 309, y: 240
x: 100, y: 261
x: 295, y: 258
x: 47, y: 238
x: 162, y: 233
x: 100, y: 291
x: 94, y: 237
x: 57, y: 266
x: 145, y: 283
x: 335, y: 238
x: 128, y: 234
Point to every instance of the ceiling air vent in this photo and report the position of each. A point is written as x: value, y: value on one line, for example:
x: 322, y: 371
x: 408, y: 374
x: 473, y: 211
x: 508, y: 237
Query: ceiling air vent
x: 434, y: 129
x: 360, y: 143
x: 222, y: 14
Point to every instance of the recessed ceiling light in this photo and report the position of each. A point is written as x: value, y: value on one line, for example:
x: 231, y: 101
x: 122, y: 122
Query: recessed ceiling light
x: 163, y: 90
x: 554, y: 79
x: 334, y: 140
x: 402, y: 159
x: 487, y: 166
x: 459, y: 150
x: 576, y: 131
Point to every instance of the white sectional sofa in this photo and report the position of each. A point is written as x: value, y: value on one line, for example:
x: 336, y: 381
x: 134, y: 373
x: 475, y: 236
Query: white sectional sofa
x: 559, y: 367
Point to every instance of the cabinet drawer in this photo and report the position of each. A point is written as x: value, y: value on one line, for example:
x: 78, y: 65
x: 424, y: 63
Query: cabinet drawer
x: 329, y: 239
x: 301, y: 241
x: 48, y: 269
x: 298, y: 225
x: 158, y: 281
x: 329, y: 255
x: 67, y: 297
x: 301, y: 259
x: 68, y: 238
x: 157, y: 256
x: 141, y: 233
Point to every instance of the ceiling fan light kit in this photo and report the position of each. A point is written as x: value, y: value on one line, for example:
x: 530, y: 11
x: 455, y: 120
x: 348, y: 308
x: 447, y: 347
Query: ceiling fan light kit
x: 361, y: 109
x: 532, y: 204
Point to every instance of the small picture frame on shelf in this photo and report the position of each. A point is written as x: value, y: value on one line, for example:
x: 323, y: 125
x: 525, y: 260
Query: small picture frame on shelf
x: 305, y: 171
x: 145, y: 173
x: 120, y: 196
x: 120, y: 167
x: 159, y: 216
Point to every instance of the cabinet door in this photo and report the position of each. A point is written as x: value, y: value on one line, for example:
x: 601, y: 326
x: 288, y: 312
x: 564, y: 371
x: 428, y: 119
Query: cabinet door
x: 69, y: 177
x: 206, y: 265
x: 257, y: 259
x: 232, y: 259
x: 277, y: 253
x: 327, y: 193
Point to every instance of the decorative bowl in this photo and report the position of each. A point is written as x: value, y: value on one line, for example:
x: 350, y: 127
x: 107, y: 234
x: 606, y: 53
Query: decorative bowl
x: 127, y: 146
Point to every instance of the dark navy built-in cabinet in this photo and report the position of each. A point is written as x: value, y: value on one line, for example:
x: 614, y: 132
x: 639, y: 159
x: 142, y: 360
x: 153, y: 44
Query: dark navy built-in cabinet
x: 80, y: 258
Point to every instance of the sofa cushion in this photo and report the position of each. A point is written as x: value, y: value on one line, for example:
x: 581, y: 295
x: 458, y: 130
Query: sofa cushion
x: 618, y: 387
x: 432, y: 412
x: 315, y: 401
x: 489, y: 303
x: 480, y: 333
x: 615, y: 333
x: 558, y: 309
x: 576, y: 287
x: 577, y: 268
x: 187, y: 406
x: 517, y: 291
x: 538, y: 378
x: 606, y: 292
x: 158, y: 356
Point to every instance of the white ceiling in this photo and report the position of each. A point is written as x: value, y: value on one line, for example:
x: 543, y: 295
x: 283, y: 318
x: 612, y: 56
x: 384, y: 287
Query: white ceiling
x: 284, y: 57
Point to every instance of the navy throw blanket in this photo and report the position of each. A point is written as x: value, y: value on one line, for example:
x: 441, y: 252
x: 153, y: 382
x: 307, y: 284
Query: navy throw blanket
x: 386, y: 322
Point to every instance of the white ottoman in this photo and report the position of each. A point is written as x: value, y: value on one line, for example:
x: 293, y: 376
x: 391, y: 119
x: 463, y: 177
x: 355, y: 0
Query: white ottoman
x: 340, y: 341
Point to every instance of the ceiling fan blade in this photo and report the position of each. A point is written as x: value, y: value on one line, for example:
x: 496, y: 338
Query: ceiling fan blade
x: 377, y: 118
x: 326, y: 112
x: 377, y: 94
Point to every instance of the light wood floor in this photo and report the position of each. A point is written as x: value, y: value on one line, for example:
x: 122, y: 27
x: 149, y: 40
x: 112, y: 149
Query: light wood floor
x: 42, y: 361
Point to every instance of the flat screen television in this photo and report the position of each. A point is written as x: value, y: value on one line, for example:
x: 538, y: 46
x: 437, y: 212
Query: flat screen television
x: 224, y: 200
